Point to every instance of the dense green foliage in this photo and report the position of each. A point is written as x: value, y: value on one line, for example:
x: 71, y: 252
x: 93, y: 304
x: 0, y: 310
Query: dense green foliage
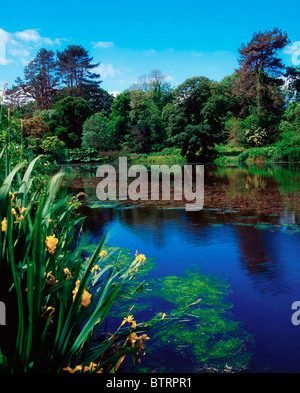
x: 253, y: 108
x: 97, y: 133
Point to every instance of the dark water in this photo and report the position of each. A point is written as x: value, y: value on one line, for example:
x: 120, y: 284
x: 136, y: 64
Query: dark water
x: 248, y: 233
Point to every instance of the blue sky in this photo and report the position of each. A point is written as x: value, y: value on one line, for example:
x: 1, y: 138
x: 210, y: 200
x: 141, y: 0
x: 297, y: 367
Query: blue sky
x: 131, y: 38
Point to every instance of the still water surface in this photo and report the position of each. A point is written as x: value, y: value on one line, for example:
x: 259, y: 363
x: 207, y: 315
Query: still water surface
x: 248, y: 234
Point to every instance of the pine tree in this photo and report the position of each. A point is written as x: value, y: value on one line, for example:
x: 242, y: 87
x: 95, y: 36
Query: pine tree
x: 259, y: 75
x: 75, y: 69
x: 41, y: 79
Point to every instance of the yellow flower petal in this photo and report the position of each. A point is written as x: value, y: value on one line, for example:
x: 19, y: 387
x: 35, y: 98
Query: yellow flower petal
x: 51, y: 242
x: 140, y: 257
x: 85, y: 298
x: 67, y: 272
x: 4, y: 224
x: 94, y: 269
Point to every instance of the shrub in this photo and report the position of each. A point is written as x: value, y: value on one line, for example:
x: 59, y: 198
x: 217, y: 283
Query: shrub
x: 52, y: 144
x: 54, y: 147
x: 243, y: 156
x: 35, y: 127
x: 264, y: 153
x: 286, y: 152
x: 255, y: 137
x: 288, y: 147
x: 82, y: 155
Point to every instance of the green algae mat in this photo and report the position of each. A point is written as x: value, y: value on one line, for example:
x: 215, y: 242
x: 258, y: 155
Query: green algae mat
x: 191, y: 324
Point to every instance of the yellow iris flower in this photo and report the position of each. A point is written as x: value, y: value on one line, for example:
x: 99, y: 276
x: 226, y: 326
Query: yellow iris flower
x: 86, y: 296
x: 51, y: 242
x: 129, y: 319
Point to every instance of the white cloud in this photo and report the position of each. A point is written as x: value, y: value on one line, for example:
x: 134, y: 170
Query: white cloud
x: 48, y: 41
x: 291, y: 49
x: 28, y: 35
x: 4, y: 36
x: 169, y: 78
x: 2, y: 54
x: 114, y: 93
x: 107, y: 70
x: 20, y: 45
x: 33, y: 36
x: 3, y: 60
x: 294, y: 51
x: 19, y: 52
x: 103, y: 44
x: 288, y: 50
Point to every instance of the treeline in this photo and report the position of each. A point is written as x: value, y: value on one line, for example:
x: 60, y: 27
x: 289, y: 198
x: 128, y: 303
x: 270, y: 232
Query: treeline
x: 258, y: 105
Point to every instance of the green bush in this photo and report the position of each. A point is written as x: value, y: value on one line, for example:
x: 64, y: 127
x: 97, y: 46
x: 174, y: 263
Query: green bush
x: 288, y: 147
x: 266, y: 153
x: 243, y: 156
x: 52, y: 144
x: 286, y: 152
x: 280, y: 152
x: 54, y: 147
x: 82, y: 155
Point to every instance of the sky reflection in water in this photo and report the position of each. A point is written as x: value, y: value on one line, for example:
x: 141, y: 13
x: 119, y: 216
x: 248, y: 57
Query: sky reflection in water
x: 247, y: 233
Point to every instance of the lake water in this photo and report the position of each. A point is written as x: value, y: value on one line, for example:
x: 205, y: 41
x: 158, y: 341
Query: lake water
x: 247, y: 235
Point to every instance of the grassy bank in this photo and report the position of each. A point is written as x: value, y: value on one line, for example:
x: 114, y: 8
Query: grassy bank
x: 228, y: 154
x: 277, y: 153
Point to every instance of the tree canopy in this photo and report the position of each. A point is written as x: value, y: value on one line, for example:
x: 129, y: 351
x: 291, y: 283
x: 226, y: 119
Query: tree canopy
x: 61, y: 93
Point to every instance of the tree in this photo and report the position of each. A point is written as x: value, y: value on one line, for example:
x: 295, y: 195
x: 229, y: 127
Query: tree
x: 261, y: 53
x: 98, y: 133
x: 157, y: 86
x: 120, y: 116
x: 216, y: 111
x: 41, y: 79
x: 259, y: 76
x: 191, y: 120
x: 148, y: 97
x: 176, y: 122
x: 293, y: 82
x: 72, y: 113
x: 288, y: 145
x: 147, y: 130
x: 75, y: 69
x: 99, y: 100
